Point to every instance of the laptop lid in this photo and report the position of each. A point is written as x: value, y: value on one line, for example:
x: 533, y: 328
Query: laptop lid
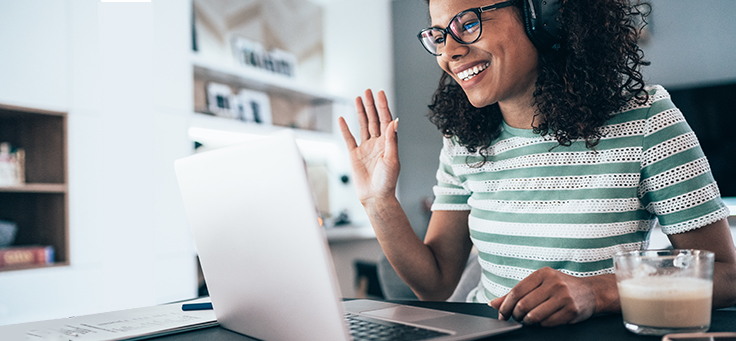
x: 263, y: 254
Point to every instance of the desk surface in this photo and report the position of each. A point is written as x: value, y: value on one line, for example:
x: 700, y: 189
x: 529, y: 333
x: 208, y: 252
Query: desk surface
x: 604, y: 327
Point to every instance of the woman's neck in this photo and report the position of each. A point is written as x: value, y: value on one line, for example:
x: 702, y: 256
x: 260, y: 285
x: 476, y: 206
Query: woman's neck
x: 519, y: 113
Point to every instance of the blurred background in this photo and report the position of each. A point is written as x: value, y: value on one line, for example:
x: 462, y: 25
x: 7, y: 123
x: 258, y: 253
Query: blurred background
x: 102, y: 97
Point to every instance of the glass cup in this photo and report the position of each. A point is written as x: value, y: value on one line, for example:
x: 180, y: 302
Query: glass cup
x: 665, y: 291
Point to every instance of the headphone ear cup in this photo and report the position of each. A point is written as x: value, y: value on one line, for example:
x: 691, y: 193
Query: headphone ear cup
x: 540, y: 22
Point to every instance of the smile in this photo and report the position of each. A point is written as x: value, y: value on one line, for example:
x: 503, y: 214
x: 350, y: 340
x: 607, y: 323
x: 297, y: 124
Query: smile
x: 470, y: 73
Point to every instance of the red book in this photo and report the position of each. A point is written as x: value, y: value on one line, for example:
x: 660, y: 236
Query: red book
x: 25, y: 255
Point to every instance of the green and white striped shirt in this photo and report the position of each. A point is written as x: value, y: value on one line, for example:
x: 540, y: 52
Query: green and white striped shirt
x: 571, y: 208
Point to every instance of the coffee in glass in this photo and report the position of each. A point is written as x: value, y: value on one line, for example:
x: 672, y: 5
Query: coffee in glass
x: 665, y: 291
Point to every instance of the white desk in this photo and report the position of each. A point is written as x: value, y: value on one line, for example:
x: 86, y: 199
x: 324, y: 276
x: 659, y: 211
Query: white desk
x: 130, y: 324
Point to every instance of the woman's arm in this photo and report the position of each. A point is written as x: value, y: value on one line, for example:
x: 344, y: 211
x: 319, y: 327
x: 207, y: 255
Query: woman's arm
x: 431, y: 268
x: 549, y: 297
x: 717, y: 238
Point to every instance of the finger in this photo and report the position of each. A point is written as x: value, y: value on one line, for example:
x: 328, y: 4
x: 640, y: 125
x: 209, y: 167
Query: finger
x: 384, y: 113
x: 531, y: 301
x: 541, y: 312
x: 524, y: 287
x: 362, y: 119
x: 346, y: 134
x: 556, y: 318
x: 374, y: 127
x: 392, y: 142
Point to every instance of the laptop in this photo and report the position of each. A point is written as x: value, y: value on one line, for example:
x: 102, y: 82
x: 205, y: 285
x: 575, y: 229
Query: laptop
x: 266, y: 260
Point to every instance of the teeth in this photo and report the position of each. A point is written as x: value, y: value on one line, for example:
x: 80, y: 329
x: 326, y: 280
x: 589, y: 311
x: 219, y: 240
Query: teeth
x: 470, y: 73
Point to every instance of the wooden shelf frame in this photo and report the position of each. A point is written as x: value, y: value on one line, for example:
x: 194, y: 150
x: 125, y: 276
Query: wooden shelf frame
x: 40, y: 207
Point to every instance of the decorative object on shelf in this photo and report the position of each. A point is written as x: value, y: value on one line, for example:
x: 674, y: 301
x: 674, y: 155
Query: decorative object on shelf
x: 254, y: 106
x: 12, y: 165
x: 7, y: 232
x: 26, y: 255
x: 253, y: 54
x: 221, y: 101
x: 318, y: 175
x: 342, y: 219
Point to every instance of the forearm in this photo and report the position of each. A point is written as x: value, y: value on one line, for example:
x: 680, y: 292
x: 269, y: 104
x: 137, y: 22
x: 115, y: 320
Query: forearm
x: 715, y: 237
x: 413, y: 261
x: 724, y: 285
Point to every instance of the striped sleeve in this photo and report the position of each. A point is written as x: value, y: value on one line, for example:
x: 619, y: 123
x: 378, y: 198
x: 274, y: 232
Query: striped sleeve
x: 450, y: 194
x: 676, y: 182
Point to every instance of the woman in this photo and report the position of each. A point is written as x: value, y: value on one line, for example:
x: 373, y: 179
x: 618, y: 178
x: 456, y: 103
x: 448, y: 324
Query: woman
x: 555, y: 157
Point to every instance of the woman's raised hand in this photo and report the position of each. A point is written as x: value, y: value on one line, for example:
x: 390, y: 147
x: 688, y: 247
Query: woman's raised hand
x: 375, y: 162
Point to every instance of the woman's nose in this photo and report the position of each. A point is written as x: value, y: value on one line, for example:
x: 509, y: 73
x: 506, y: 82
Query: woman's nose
x: 453, y: 50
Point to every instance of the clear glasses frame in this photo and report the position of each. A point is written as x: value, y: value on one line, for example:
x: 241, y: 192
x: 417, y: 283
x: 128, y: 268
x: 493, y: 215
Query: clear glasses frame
x: 428, y: 35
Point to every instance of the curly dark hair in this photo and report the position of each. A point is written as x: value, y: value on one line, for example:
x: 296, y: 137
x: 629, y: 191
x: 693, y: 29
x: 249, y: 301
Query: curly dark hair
x: 580, y: 86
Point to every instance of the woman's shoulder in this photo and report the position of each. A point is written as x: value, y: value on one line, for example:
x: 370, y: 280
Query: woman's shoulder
x: 642, y: 107
x: 451, y: 145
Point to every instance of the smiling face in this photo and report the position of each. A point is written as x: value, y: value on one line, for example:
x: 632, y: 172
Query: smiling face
x: 501, y: 66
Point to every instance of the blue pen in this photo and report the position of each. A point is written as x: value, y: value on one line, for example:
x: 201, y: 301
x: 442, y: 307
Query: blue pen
x: 196, y: 306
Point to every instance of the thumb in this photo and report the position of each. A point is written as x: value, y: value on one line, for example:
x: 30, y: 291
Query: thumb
x: 496, y: 303
x: 392, y: 142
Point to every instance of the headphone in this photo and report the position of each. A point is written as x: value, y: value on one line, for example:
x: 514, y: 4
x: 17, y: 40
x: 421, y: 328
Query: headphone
x: 540, y: 23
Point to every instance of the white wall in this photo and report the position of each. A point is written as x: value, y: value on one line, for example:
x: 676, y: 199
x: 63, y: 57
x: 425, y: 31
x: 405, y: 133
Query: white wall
x: 122, y: 72
x: 692, y: 43
x: 358, y: 49
x: 41, y: 63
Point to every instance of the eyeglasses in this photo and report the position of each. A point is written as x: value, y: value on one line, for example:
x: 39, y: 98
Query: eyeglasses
x: 465, y: 28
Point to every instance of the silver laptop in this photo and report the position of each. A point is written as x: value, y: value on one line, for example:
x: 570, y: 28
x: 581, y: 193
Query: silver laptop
x: 266, y: 260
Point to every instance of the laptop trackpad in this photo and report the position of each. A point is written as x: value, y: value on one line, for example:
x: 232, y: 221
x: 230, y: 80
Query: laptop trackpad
x: 406, y: 313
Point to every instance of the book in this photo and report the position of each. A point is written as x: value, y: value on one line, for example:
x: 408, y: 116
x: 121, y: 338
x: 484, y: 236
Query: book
x: 26, y: 255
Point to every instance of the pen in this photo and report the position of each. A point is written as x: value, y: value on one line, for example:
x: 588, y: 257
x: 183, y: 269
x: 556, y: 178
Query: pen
x: 196, y: 306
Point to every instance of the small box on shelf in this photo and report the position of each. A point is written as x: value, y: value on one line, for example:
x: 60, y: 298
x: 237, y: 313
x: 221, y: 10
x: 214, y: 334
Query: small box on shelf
x: 12, y: 165
x: 8, y: 230
x: 237, y: 103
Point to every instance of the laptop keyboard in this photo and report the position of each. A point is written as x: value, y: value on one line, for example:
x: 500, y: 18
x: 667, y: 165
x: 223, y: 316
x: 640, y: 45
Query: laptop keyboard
x: 365, y: 328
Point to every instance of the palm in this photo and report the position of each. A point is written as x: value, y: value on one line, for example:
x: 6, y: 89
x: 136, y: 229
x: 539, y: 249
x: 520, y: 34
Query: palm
x: 374, y: 174
x: 375, y: 163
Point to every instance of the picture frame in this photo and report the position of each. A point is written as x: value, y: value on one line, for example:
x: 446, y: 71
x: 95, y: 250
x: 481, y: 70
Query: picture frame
x: 221, y: 101
x: 254, y: 106
x: 252, y: 54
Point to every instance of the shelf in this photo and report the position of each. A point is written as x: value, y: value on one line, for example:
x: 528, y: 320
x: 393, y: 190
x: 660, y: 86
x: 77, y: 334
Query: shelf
x: 19, y: 110
x: 32, y: 266
x: 291, y: 104
x: 227, y: 125
x: 35, y: 188
x: 349, y: 233
x: 258, y: 79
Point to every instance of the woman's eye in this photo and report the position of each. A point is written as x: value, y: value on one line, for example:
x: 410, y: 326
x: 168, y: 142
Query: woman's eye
x: 471, y: 26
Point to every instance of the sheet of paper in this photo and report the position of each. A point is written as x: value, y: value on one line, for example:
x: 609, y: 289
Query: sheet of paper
x: 132, y: 324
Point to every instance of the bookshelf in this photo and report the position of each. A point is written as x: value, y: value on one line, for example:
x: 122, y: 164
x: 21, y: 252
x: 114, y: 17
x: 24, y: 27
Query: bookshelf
x: 320, y: 143
x: 291, y: 101
x: 39, y: 207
